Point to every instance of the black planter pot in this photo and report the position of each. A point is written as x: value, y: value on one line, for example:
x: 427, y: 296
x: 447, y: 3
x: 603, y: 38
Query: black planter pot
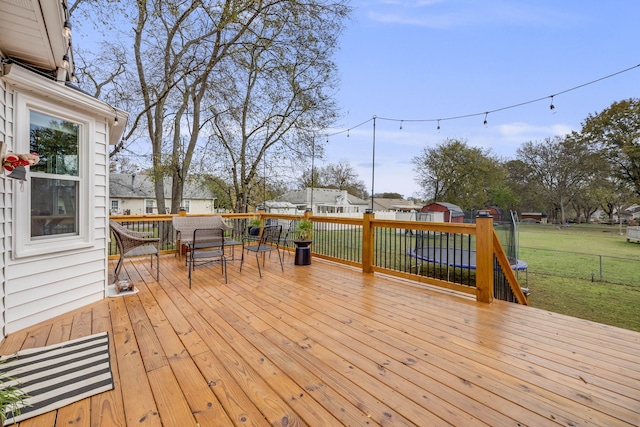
x: 303, y: 252
x: 254, y: 231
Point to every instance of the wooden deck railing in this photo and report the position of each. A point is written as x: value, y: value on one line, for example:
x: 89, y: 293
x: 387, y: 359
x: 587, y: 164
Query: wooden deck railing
x: 464, y: 257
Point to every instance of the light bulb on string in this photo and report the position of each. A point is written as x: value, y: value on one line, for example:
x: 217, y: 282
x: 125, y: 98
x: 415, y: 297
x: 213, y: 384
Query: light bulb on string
x: 348, y: 132
x: 67, y: 29
x: 401, y: 124
x: 485, y: 119
x: 438, y: 124
x: 551, y: 106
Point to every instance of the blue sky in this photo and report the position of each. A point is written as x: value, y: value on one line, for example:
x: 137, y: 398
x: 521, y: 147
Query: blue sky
x: 430, y: 59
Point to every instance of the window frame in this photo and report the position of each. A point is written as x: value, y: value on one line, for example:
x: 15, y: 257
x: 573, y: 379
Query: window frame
x: 24, y: 244
x: 149, y: 206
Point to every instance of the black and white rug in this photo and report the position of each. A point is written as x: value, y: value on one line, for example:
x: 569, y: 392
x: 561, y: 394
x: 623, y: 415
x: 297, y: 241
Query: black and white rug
x: 57, y: 375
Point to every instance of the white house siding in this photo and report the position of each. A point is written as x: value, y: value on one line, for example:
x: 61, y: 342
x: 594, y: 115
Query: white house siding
x: 45, y: 287
x: 201, y: 206
x: 38, y: 287
x: 137, y: 206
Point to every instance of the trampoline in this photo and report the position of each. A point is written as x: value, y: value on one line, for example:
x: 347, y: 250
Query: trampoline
x: 454, y: 257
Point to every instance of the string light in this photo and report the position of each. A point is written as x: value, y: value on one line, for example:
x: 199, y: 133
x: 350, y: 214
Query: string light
x: 67, y: 29
x: 65, y: 61
x: 486, y: 113
x: 115, y: 118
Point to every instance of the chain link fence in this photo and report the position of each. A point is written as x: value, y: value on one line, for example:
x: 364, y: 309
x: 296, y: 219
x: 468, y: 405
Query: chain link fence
x: 576, y: 265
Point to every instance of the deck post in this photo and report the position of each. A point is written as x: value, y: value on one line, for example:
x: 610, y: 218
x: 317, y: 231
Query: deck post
x: 367, y: 242
x: 484, y: 257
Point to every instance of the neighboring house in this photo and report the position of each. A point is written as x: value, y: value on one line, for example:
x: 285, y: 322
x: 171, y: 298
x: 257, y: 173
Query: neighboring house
x: 534, y: 216
x: 326, y: 201
x: 444, y: 212
x: 634, y: 212
x: 55, y: 224
x: 131, y: 194
x: 393, y: 205
x: 274, y: 207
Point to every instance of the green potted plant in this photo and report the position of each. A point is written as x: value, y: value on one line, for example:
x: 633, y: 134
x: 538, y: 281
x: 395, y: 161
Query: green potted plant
x: 12, y: 398
x: 255, y: 224
x: 304, y: 233
x: 304, y: 230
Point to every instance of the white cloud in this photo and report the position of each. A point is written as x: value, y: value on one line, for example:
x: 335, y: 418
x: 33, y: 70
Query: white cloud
x: 521, y: 129
x: 441, y: 14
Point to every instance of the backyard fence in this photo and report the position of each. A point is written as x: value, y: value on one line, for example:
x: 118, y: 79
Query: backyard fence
x: 576, y: 265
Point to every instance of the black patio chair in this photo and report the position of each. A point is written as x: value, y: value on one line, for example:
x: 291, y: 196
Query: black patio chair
x: 206, y: 247
x: 290, y: 235
x: 269, y: 241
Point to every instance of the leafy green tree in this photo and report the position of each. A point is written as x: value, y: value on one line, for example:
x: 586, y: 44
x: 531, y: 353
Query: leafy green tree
x: 613, y: 194
x: 503, y: 196
x: 616, y: 130
x: 222, y: 191
x: 456, y: 173
x: 520, y: 181
x: 561, y: 168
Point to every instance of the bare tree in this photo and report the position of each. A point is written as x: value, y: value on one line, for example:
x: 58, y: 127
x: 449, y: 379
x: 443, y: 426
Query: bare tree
x: 274, y: 91
x: 255, y: 75
x: 177, y: 47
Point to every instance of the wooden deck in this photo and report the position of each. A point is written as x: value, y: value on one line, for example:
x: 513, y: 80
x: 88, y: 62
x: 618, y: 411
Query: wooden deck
x: 325, y: 345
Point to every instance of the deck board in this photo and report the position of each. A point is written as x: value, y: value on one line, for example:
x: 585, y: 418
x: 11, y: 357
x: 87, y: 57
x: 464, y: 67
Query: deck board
x: 326, y: 345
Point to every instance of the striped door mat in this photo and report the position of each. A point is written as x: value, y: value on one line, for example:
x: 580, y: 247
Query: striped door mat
x: 57, y: 375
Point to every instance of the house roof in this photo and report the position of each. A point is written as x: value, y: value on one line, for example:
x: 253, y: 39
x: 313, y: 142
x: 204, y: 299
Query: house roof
x: 32, y: 31
x: 278, y: 204
x: 450, y: 206
x: 384, y: 204
x: 131, y: 186
x: 321, y: 196
x: 633, y: 209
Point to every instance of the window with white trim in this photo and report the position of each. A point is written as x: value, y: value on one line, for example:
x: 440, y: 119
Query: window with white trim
x: 52, y: 208
x: 149, y: 206
x: 55, y: 179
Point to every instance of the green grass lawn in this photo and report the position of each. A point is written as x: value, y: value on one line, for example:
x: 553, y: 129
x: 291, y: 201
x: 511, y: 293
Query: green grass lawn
x: 565, y: 267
